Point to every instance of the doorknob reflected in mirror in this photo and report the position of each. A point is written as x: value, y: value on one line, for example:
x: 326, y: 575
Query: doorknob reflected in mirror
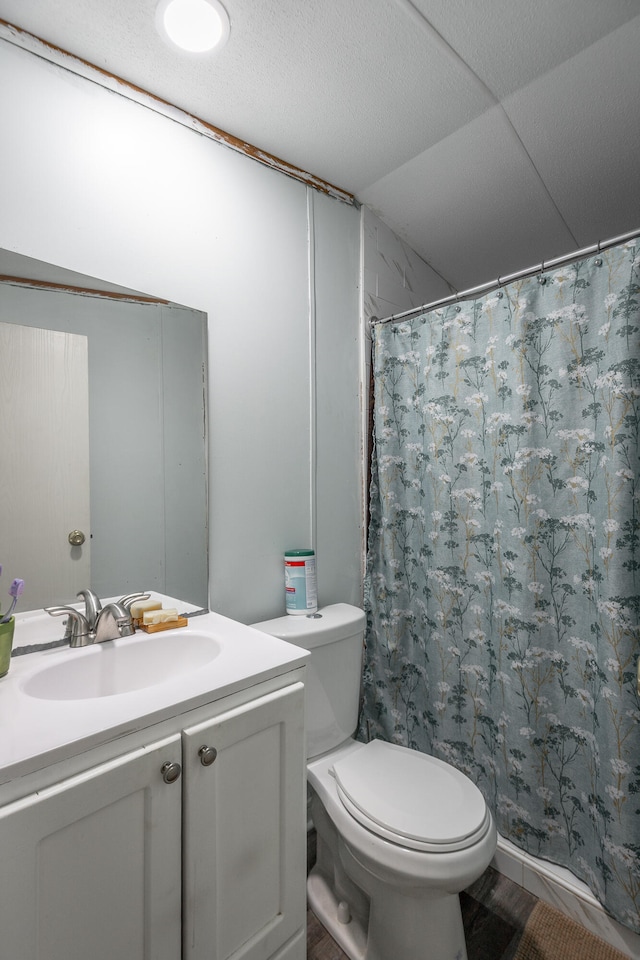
x: 76, y: 538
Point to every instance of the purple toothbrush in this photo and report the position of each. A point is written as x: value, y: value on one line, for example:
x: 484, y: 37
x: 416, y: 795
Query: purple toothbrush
x: 15, y: 590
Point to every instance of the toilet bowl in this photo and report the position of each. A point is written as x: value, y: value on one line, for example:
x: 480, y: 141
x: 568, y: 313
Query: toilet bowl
x: 399, y: 833
x: 410, y: 865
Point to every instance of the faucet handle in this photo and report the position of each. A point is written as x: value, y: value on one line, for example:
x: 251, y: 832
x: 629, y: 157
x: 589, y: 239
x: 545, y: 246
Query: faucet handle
x: 79, y: 635
x: 131, y: 598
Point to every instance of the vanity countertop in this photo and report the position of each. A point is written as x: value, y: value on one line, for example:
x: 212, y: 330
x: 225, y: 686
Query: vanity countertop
x: 35, y: 732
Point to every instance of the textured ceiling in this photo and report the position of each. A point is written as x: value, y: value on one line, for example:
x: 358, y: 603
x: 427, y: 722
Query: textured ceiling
x: 489, y: 134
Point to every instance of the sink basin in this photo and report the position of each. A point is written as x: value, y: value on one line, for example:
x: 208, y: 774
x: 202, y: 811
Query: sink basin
x: 121, y: 666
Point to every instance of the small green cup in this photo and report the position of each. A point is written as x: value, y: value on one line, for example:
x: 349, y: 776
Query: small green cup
x: 6, y: 643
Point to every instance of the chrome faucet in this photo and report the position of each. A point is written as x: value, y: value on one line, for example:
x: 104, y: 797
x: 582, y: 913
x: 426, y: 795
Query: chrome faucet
x: 98, y: 624
x: 114, y: 621
x: 92, y: 606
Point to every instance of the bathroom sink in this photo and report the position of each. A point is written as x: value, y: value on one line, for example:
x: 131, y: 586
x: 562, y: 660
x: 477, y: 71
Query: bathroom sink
x: 122, y: 666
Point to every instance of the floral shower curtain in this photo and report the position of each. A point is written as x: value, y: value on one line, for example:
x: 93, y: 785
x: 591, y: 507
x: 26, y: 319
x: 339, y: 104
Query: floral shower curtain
x: 502, y: 588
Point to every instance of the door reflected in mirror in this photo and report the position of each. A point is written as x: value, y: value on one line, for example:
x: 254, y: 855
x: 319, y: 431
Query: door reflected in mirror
x: 147, y: 465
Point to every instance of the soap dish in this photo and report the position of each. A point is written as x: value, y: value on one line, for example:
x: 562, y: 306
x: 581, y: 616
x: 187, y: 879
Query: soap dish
x: 169, y: 625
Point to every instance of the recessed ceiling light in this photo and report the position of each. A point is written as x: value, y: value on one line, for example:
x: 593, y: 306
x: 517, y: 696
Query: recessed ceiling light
x: 196, y: 26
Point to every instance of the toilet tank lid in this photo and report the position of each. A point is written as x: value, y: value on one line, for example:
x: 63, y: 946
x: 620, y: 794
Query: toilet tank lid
x: 334, y: 622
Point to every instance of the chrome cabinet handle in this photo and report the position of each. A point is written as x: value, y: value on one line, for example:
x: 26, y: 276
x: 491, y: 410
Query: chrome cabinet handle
x: 170, y: 771
x: 207, y: 755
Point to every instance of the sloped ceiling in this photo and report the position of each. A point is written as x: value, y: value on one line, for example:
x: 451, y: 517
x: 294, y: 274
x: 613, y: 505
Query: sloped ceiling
x: 488, y: 134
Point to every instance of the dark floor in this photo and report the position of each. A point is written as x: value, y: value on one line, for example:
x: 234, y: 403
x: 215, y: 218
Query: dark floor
x: 494, y: 911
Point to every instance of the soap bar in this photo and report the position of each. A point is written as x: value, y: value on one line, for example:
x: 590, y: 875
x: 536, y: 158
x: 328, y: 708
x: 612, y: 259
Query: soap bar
x: 160, y: 616
x: 138, y: 608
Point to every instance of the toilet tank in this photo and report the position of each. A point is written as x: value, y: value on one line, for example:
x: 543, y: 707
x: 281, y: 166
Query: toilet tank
x: 334, y: 636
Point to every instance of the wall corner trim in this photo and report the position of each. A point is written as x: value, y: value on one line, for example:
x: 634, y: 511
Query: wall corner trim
x: 41, y: 48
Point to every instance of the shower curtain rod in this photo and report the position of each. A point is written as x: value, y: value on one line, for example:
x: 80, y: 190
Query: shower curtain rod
x: 500, y: 282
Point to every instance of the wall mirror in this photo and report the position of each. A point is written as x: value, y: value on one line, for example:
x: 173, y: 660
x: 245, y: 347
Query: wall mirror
x: 103, y: 426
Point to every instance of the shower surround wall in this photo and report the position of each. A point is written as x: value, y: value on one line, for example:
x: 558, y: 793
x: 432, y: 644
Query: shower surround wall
x: 108, y: 187
x: 394, y: 279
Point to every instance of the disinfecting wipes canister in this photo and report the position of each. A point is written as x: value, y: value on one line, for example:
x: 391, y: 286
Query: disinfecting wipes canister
x: 300, y: 587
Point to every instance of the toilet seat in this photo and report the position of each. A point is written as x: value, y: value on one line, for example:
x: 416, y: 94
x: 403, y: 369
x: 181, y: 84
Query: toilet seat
x: 410, y: 798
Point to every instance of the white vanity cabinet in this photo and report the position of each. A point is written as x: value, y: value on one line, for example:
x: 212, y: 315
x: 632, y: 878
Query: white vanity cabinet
x: 90, y: 867
x: 245, y: 832
x: 184, y: 841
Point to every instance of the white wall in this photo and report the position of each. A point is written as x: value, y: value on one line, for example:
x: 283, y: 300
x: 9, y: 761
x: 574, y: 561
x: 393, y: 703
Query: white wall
x: 109, y: 188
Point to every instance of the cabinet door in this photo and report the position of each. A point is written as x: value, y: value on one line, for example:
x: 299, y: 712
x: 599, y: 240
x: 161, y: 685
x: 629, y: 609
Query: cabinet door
x: 91, y: 866
x: 245, y: 830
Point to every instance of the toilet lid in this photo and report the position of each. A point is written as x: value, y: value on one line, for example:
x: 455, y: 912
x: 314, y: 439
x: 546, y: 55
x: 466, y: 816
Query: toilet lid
x: 408, y: 796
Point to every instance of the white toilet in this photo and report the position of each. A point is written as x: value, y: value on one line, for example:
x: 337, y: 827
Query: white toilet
x: 399, y: 833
